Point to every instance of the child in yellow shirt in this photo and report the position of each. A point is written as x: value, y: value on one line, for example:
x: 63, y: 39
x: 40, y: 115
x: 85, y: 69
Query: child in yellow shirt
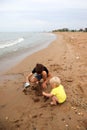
x: 57, y: 93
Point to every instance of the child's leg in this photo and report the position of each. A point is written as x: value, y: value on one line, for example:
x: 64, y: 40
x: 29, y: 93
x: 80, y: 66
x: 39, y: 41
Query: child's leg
x: 33, y: 80
x: 54, y: 100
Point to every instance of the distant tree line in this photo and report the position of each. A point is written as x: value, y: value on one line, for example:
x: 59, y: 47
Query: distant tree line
x: 68, y: 30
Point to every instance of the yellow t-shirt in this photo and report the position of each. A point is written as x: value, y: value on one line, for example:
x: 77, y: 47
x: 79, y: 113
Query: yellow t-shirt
x: 59, y: 92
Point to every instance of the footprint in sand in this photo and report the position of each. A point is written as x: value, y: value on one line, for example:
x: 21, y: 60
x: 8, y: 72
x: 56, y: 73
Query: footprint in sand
x: 55, y: 67
x: 36, y: 99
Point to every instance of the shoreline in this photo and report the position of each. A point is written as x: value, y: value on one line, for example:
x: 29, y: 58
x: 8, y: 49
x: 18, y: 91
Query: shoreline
x: 66, y: 57
x: 10, y: 60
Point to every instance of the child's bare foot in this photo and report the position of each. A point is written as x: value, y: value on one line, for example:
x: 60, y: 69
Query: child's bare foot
x: 53, y: 104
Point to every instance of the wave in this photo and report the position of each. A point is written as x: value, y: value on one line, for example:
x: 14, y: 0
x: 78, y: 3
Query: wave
x: 11, y: 43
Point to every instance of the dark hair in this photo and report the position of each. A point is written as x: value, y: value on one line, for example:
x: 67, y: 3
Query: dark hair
x: 39, y: 68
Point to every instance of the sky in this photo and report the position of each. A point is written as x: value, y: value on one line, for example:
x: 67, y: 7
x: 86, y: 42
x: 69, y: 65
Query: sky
x: 42, y: 15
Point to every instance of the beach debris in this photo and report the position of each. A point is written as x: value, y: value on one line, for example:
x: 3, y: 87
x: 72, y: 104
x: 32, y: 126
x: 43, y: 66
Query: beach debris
x: 69, y: 118
x: 41, y: 114
x: 77, y: 57
x: 63, y: 119
x: 30, y: 116
x: 6, y: 118
x: 35, y: 116
x: 78, y: 127
x: 76, y: 111
x: 66, y: 125
x: 72, y: 37
x: 16, y: 121
x: 18, y: 125
x: 74, y: 108
x: 69, y: 80
x: 80, y: 113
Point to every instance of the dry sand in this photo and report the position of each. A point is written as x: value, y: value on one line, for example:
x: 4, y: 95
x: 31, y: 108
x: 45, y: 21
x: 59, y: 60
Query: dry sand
x: 66, y: 57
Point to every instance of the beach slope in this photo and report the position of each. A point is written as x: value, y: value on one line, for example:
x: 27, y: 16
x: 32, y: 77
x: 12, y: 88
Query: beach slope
x: 66, y: 58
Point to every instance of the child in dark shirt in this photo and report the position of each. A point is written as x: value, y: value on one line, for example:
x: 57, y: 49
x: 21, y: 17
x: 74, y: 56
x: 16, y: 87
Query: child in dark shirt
x: 39, y: 72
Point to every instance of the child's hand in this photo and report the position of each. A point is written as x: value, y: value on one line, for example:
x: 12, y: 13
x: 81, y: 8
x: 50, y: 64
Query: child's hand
x: 43, y: 93
x: 44, y: 85
x: 37, y: 82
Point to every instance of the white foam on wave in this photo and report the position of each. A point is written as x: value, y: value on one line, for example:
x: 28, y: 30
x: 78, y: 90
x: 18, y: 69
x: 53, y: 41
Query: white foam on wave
x: 11, y: 43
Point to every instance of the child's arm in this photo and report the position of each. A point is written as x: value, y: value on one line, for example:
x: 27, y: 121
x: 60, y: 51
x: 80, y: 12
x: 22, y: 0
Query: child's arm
x: 28, y: 76
x: 47, y: 94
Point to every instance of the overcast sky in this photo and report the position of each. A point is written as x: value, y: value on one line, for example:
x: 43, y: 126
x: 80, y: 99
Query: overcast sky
x: 42, y: 15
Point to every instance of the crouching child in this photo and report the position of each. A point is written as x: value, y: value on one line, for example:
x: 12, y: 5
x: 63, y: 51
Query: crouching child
x: 57, y: 93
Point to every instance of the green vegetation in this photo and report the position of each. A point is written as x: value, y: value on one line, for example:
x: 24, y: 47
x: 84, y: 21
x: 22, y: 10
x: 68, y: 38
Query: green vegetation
x: 68, y: 30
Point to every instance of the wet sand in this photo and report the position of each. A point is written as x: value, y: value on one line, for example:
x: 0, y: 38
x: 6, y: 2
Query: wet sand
x: 66, y: 57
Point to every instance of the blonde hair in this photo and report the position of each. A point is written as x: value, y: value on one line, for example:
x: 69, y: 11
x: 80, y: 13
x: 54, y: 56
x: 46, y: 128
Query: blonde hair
x: 55, y: 80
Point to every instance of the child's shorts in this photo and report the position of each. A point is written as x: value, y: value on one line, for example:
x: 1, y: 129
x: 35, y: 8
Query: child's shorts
x: 38, y: 76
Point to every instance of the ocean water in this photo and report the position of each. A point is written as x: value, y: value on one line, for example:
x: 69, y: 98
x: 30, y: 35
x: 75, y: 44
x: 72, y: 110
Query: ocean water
x: 15, y: 46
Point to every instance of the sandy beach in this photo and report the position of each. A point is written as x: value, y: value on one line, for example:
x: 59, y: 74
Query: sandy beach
x: 66, y: 58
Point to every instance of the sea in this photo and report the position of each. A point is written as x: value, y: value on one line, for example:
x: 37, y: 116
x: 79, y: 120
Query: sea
x: 15, y: 46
